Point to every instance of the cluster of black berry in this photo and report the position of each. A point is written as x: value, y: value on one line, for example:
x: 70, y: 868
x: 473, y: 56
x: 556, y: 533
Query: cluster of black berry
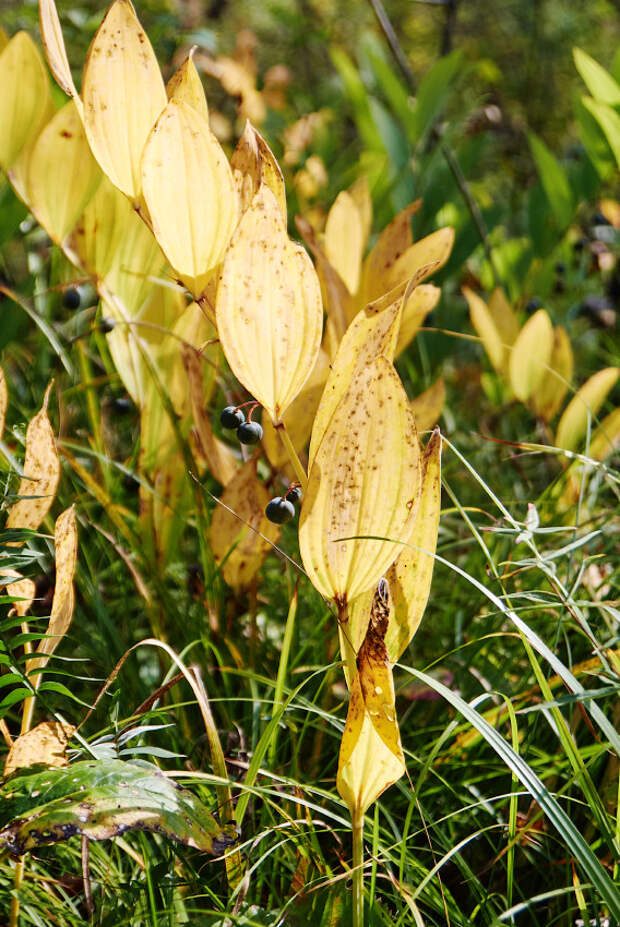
x: 233, y: 419
x: 282, y: 508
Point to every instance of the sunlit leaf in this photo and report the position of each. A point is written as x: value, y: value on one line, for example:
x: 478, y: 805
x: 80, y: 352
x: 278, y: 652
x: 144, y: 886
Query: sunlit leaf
x: 409, y: 577
x: 548, y: 398
x: 344, y: 240
x: 55, y: 51
x: 529, y: 360
x: 609, y: 121
x: 585, y: 404
x: 60, y: 152
x: 237, y: 525
x: 189, y: 191
x: 427, y: 407
x: 392, y: 242
x: 269, y: 312
x: 41, y: 473
x: 432, y: 251
x: 360, y: 194
x: 364, y: 481
x: 421, y: 301
x: 185, y: 85
x: 339, y: 305
x: 486, y: 328
x: 46, y: 743
x: 123, y: 95
x: 102, y: 799
x: 599, y: 82
x: 25, y: 99
x: 253, y: 163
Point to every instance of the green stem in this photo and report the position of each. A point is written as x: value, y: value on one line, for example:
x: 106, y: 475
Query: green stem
x: 357, y: 820
x: 300, y: 473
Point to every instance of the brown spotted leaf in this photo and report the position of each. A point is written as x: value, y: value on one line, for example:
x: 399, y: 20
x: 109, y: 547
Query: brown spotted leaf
x: 46, y: 743
x: 393, y: 241
x: 185, y: 84
x: 252, y: 164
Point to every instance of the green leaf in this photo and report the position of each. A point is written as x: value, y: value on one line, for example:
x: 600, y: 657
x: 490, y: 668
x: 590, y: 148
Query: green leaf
x: 594, y: 141
x: 609, y: 121
x: 103, y: 799
x: 599, y: 82
x: 358, y: 95
x: 433, y: 92
x: 553, y: 180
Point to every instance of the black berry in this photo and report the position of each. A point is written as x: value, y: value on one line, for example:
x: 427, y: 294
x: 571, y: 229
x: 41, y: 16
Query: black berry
x: 533, y: 306
x: 249, y: 432
x: 294, y: 495
x: 231, y: 418
x: 106, y: 325
x: 72, y: 298
x: 280, y: 510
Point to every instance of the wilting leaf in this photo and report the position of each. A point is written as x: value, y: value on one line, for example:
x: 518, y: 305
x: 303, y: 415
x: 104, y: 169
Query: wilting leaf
x: 189, y: 191
x: 269, y: 313
x: 234, y: 526
x: 46, y: 743
x: 548, y: 398
x: 253, y: 163
x: 364, y: 480
x: 487, y: 330
x: 420, y: 302
x: 55, y: 51
x: 585, y: 403
x: 392, y: 242
x: 4, y: 400
x: 185, y: 85
x: 23, y: 591
x: 62, y: 174
x: 222, y: 463
x: 102, y: 799
x: 431, y: 252
x: 123, y: 95
x: 25, y: 97
x: 427, y: 407
x: 409, y: 577
x: 339, y: 305
x: 65, y: 556
x: 504, y: 318
x: 530, y: 357
x: 41, y: 473
x: 344, y: 240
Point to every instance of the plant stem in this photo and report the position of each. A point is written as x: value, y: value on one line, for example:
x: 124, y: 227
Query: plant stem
x: 357, y: 821
x: 17, y: 884
x: 300, y: 473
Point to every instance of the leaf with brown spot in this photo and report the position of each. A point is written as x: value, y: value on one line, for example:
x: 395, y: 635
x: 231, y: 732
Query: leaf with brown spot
x: 46, y: 743
x: 530, y: 355
x: 269, y: 313
x: 188, y: 188
x: 547, y: 400
x: 237, y: 525
x: 185, y: 84
x: 431, y: 252
x: 254, y: 163
x: 123, y: 93
x: 427, y: 407
x: 41, y: 473
x: 363, y: 483
x: 393, y: 241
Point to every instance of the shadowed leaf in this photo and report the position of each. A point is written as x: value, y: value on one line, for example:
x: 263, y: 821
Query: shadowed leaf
x: 585, y: 403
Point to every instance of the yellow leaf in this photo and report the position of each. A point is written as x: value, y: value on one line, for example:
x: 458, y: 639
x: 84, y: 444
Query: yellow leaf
x: 22, y: 589
x: 55, y: 51
x: 420, y: 302
x: 25, y: 98
x: 62, y: 174
x: 189, y: 191
x: 220, y: 459
x: 364, y: 481
x: 344, y: 240
x: 606, y: 438
x: 548, y: 398
x: 360, y: 194
x: 427, y: 407
x: 123, y: 95
x: 65, y: 543
x: 409, y: 577
x: 4, y: 400
x: 585, y: 404
x: 253, y: 163
x: 185, y: 85
x: 528, y: 363
x: 234, y: 526
x: 269, y: 313
x: 41, y: 473
x: 4, y: 39
x: 505, y: 320
x: 432, y: 252
x: 487, y: 330
x: 339, y: 305
x: 46, y: 743
x: 392, y: 242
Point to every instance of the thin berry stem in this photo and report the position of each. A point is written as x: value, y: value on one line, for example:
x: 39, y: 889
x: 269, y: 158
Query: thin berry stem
x: 293, y: 456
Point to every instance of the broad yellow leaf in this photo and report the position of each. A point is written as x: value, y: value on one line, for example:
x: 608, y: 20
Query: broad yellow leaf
x: 185, y: 85
x: 364, y: 482
x: 530, y: 356
x: 503, y: 316
x: 339, y: 304
x: 62, y: 174
x: 606, y: 438
x: 409, y: 577
x: 189, y: 191
x: 65, y: 555
x: 585, y: 404
x: 344, y: 240
x: 420, y: 302
x: 123, y: 95
x: 55, y: 51
x: 4, y: 400
x: 431, y: 252
x: 269, y: 312
x: 548, y: 398
x: 253, y: 163
x: 392, y: 242
x: 46, y: 743
x: 25, y: 98
x: 220, y: 459
x: 360, y: 194
x: 427, y: 407
x: 235, y: 526
x: 487, y: 330
x: 41, y: 473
